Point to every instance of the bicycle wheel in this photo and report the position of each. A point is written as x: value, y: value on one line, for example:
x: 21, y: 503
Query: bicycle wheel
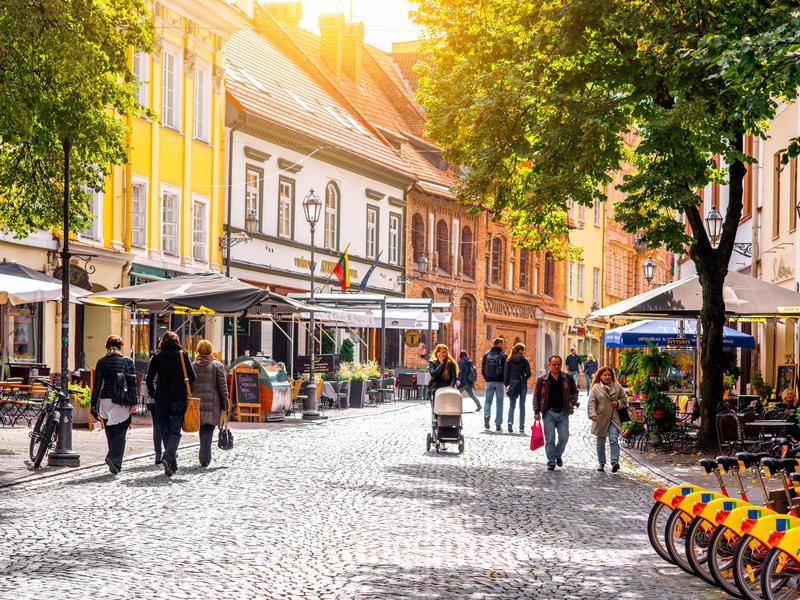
x: 698, y: 538
x: 748, y: 560
x: 36, y: 435
x: 675, y: 539
x: 780, y: 577
x: 720, y: 559
x: 656, y: 525
x: 47, y: 438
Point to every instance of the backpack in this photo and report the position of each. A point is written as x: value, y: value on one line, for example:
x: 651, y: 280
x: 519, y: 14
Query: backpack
x: 493, y: 366
x: 472, y: 376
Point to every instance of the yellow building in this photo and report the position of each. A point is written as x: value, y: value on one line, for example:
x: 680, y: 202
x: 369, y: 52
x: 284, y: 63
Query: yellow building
x: 162, y: 213
x: 585, y: 278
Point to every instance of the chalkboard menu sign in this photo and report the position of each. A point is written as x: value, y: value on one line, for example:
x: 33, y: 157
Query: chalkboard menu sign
x: 246, y: 384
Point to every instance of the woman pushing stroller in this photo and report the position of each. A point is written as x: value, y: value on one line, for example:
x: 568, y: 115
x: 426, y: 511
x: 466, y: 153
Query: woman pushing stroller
x: 443, y: 370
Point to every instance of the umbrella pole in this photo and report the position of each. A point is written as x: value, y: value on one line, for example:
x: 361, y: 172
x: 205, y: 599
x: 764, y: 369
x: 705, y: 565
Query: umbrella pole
x: 6, y: 338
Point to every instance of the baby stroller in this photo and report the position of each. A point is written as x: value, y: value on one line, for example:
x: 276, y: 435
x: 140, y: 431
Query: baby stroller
x: 446, y: 421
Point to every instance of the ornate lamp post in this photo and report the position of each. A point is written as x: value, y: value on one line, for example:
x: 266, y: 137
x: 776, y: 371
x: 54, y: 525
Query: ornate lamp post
x: 422, y: 264
x: 312, y: 207
x: 649, y: 270
x: 714, y: 225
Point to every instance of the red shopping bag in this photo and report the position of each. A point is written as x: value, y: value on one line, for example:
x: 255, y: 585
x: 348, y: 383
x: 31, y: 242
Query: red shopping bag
x: 537, y: 435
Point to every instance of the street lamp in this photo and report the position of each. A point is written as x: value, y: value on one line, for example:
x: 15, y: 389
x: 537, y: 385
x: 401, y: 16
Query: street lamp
x: 228, y: 241
x: 649, y: 269
x: 422, y: 264
x: 714, y: 225
x: 312, y: 207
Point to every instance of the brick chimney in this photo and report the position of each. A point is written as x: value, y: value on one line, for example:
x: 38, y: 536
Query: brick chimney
x: 289, y: 13
x: 341, y: 44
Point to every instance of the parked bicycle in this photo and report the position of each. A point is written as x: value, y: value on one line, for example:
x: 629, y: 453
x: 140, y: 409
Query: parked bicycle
x: 44, y: 435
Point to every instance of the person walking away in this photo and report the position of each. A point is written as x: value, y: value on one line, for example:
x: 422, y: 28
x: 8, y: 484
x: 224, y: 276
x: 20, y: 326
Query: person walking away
x: 574, y: 364
x: 517, y: 373
x: 554, y: 398
x: 112, y: 376
x: 493, y: 368
x: 467, y: 375
x: 443, y: 370
x: 589, y: 369
x: 169, y: 371
x: 605, y: 399
x: 211, y: 386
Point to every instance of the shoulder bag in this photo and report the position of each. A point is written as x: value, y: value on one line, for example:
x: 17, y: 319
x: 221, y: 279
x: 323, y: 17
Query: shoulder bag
x: 125, y: 390
x: 191, y: 418
x: 622, y: 411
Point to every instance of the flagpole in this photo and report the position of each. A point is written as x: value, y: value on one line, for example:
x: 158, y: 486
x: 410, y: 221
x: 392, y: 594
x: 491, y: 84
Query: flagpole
x: 330, y: 275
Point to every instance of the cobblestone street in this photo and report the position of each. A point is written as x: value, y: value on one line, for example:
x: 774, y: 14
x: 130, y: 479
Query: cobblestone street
x: 347, y: 509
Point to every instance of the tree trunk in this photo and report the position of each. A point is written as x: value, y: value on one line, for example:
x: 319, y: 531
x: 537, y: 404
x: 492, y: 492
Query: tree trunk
x: 712, y: 267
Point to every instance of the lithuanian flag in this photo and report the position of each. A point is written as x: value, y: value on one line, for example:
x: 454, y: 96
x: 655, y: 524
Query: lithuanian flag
x: 342, y: 271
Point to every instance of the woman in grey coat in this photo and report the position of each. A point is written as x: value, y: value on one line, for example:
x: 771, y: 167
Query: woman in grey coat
x: 211, y: 386
x: 605, y: 398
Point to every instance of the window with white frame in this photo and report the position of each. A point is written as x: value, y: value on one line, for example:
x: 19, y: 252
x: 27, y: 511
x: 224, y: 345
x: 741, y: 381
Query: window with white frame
x: 202, y: 103
x: 596, y: 286
x: 597, y: 209
x: 394, y: 239
x: 331, y: 216
x: 200, y: 228
x: 141, y: 71
x: 172, y: 79
x: 580, y: 273
x: 372, y: 232
x: 285, y: 207
x: 252, y: 192
x: 581, y: 213
x: 139, y: 213
x: 170, y: 214
x: 571, y: 279
x: 95, y: 229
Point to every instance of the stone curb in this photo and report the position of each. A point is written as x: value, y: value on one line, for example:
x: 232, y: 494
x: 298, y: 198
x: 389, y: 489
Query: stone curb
x: 54, y: 477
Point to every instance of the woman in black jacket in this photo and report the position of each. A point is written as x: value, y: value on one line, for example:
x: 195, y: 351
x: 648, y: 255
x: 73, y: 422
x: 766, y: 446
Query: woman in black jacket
x: 114, y: 374
x: 443, y: 370
x: 166, y: 383
x: 467, y: 375
x: 517, y: 373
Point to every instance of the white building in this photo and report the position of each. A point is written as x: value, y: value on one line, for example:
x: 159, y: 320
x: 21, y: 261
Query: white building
x: 286, y: 135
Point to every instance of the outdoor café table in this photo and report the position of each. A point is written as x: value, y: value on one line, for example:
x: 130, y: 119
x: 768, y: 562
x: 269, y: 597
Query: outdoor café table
x: 773, y: 427
x: 328, y: 391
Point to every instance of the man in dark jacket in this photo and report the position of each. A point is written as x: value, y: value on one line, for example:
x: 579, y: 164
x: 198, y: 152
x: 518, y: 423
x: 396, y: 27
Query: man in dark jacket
x: 493, y: 368
x: 554, y: 398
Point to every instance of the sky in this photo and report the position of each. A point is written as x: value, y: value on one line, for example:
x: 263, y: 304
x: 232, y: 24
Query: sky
x: 385, y: 21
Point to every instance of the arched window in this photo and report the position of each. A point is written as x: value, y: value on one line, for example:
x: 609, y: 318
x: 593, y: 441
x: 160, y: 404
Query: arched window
x: 549, y: 274
x: 427, y: 293
x: 467, y: 252
x: 417, y: 237
x: 498, y: 249
x: 331, y: 216
x: 468, y: 325
x: 524, y: 267
x: 443, y: 246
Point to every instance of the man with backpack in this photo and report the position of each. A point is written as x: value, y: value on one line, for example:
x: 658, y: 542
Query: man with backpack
x: 493, y: 368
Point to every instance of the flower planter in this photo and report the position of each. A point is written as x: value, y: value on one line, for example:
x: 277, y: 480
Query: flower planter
x: 80, y: 416
x: 658, y: 413
x: 358, y: 393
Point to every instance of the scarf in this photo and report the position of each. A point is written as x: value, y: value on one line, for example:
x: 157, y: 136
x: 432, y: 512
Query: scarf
x: 113, y: 350
x: 204, y: 359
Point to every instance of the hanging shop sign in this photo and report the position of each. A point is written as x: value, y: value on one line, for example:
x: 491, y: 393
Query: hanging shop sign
x: 679, y: 342
x: 412, y: 338
x: 242, y: 326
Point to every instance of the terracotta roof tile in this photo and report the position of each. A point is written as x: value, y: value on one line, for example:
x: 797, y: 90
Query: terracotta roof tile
x: 268, y: 85
x: 405, y: 62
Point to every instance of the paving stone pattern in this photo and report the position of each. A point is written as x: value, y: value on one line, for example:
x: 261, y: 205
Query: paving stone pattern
x: 346, y: 509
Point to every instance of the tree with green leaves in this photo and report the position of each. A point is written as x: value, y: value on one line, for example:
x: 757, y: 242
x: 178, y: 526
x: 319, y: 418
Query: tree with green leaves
x: 533, y: 98
x: 65, y: 80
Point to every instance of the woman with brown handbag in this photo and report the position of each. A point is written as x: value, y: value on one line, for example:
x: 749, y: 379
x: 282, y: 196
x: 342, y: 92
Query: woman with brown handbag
x: 168, y: 379
x: 211, y: 386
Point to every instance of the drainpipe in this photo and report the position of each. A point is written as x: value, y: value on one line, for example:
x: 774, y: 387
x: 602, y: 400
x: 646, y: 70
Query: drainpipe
x: 230, y: 204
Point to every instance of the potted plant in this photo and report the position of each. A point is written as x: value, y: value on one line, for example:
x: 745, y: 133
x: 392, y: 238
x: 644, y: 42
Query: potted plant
x: 629, y: 362
x: 632, y: 428
x: 655, y: 362
x: 728, y: 383
x: 657, y: 404
x: 83, y: 398
x: 358, y: 385
x: 346, y: 353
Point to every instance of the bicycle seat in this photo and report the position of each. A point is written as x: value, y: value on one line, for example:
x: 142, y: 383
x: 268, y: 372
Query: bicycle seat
x: 795, y: 477
x: 709, y: 465
x: 728, y: 463
x: 774, y: 465
x: 750, y: 459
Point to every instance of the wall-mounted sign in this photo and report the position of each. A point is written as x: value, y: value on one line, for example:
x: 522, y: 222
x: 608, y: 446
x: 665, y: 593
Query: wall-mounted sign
x: 413, y: 338
x: 679, y: 342
x: 242, y: 326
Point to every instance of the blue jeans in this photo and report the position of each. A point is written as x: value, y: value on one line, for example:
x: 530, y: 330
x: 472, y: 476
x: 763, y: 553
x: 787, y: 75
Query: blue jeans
x: 494, y: 389
x: 512, y: 404
x: 575, y: 376
x: 555, y: 422
x: 613, y: 441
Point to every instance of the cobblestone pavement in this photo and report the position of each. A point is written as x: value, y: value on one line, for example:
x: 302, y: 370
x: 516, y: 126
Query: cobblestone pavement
x: 347, y: 509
